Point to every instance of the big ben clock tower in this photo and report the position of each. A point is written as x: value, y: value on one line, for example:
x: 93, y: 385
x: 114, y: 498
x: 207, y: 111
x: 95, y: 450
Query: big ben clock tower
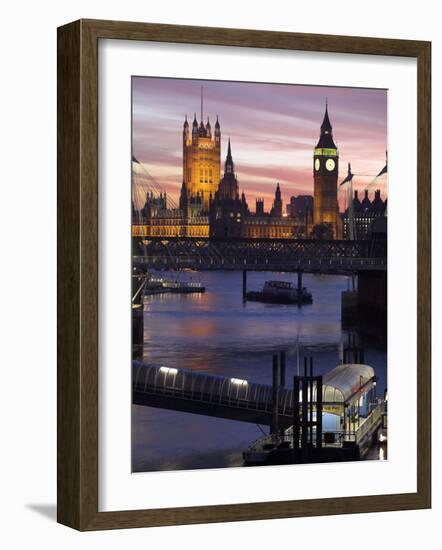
x: 325, y: 174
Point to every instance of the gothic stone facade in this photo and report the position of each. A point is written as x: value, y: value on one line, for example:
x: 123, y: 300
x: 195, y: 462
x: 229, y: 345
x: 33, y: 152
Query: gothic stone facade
x: 201, y: 160
x: 212, y: 206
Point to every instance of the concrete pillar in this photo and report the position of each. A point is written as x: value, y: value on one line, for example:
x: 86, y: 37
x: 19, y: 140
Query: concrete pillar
x: 282, y: 368
x: 137, y: 318
x: 372, y: 290
x: 137, y: 332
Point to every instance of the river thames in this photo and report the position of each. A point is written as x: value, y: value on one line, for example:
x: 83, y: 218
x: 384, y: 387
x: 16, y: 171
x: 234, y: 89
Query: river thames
x: 216, y: 332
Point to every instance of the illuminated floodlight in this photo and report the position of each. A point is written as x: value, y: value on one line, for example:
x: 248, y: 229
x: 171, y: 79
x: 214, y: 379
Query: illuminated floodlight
x: 168, y: 370
x: 238, y: 381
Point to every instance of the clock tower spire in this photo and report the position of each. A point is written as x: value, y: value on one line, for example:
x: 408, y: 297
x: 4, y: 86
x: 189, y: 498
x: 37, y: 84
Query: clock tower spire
x: 325, y: 176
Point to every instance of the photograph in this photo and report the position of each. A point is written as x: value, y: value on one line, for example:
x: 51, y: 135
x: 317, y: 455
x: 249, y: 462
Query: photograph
x: 259, y: 274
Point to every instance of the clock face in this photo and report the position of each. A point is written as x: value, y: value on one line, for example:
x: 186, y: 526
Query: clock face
x: 330, y: 165
x: 317, y: 164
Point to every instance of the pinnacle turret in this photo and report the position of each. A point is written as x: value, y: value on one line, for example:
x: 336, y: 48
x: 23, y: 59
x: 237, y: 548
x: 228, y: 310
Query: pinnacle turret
x: 229, y: 167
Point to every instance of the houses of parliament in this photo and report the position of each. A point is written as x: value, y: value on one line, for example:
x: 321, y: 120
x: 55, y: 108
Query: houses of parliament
x: 210, y: 203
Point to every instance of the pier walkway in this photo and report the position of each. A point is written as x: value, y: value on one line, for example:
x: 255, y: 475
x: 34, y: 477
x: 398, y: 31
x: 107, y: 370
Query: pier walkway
x: 238, y: 399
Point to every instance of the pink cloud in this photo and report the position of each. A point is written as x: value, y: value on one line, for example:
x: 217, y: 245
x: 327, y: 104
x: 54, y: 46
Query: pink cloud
x: 273, y: 128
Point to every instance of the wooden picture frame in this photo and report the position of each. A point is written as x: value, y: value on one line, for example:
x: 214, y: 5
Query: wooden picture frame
x: 78, y: 274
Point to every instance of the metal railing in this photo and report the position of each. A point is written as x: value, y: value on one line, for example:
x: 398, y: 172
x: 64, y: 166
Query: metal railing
x: 161, y: 262
x: 329, y: 439
x: 260, y: 254
x: 367, y: 426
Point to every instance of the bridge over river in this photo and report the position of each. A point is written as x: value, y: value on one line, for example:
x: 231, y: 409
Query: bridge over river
x: 310, y: 256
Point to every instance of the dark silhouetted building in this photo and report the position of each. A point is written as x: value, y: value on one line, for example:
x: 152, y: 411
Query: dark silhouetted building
x: 301, y: 208
x: 365, y: 212
x: 276, y: 211
x: 227, y: 210
x: 230, y: 216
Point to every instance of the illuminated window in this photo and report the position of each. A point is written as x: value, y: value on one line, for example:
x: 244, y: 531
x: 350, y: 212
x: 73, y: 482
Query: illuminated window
x: 168, y: 370
x: 238, y: 382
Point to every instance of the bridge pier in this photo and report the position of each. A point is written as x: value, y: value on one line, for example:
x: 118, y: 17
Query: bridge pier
x: 137, y: 319
x: 244, y: 284
x: 299, y: 282
x: 282, y: 368
x: 367, y: 302
x: 137, y: 332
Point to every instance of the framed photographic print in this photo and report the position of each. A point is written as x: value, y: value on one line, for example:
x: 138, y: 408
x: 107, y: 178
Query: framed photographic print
x: 244, y: 275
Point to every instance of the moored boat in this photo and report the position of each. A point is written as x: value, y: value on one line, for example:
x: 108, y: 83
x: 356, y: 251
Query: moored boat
x: 280, y: 292
x: 159, y: 285
x: 183, y: 287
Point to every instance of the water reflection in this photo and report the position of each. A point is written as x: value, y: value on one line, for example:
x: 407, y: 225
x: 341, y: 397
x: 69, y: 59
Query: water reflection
x: 217, y: 332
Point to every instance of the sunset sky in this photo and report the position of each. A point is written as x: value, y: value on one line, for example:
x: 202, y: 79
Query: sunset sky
x: 273, y: 130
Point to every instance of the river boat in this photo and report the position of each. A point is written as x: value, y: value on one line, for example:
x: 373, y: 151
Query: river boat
x: 280, y: 292
x: 159, y: 285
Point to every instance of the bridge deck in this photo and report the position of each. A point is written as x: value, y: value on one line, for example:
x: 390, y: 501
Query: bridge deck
x: 261, y: 254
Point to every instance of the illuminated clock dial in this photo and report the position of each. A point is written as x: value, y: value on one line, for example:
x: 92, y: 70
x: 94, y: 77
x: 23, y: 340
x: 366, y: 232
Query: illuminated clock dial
x: 330, y: 165
x: 317, y: 164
